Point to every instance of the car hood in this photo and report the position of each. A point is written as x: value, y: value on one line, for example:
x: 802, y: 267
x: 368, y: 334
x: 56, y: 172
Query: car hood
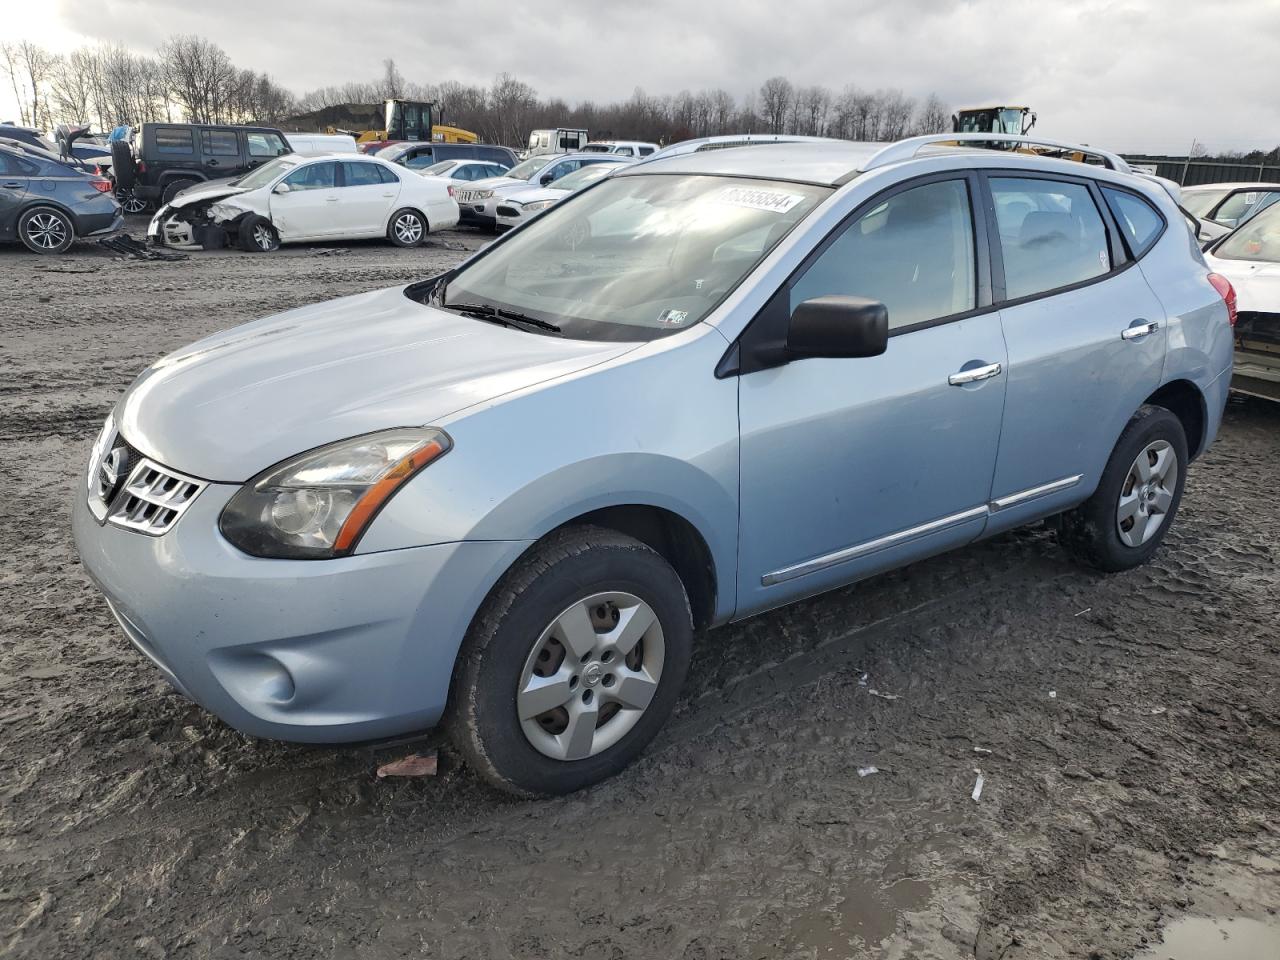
x: 494, y: 183
x: 205, y: 192
x: 231, y: 405
x: 1257, y: 282
x: 530, y: 194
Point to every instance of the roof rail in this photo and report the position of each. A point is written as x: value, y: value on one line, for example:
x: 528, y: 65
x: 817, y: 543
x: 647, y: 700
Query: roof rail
x: 699, y: 144
x: 907, y: 149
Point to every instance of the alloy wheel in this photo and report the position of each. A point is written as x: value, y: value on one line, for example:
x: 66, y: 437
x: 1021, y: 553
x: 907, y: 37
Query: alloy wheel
x: 46, y: 230
x: 131, y: 204
x: 1147, y: 493
x: 590, y: 676
x: 408, y: 229
x: 263, y: 238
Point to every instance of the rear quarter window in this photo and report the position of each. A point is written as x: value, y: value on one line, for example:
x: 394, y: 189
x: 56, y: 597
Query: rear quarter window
x: 174, y: 140
x: 1139, y: 221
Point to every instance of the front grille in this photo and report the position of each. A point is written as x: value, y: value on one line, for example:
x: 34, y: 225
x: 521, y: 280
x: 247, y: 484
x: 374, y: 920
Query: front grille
x: 152, y: 499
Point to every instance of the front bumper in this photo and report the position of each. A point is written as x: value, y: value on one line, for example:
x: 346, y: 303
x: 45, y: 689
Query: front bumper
x: 324, y: 651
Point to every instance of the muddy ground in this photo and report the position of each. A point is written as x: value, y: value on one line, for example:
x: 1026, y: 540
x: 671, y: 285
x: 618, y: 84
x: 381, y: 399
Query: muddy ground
x: 1129, y: 729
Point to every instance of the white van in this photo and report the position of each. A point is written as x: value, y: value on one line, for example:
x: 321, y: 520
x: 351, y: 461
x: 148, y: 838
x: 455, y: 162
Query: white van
x: 558, y: 140
x: 312, y: 144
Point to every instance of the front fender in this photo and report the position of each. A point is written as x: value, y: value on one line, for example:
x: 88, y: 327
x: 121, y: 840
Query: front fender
x: 613, y: 435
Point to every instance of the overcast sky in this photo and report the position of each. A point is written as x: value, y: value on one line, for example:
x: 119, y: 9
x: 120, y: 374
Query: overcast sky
x: 1126, y: 74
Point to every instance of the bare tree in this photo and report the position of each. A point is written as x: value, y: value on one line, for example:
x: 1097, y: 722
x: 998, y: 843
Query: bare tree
x: 815, y: 103
x: 29, y: 67
x: 933, y: 116
x: 393, y: 85
x: 776, y: 95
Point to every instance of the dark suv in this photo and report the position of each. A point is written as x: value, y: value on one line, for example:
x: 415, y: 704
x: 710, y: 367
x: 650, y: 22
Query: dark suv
x: 168, y: 157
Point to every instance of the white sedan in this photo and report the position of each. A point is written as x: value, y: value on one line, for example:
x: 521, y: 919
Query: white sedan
x: 515, y: 208
x: 295, y: 199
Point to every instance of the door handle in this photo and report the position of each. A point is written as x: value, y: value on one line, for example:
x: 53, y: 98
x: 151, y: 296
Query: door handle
x: 388, y: 194
x: 1139, y: 328
x: 330, y: 199
x: 13, y: 185
x: 974, y: 375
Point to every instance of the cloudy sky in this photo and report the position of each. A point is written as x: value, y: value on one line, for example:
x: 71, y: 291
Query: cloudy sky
x: 1128, y: 74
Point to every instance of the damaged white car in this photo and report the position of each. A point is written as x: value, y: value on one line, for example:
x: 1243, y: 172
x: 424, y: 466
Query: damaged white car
x: 295, y: 199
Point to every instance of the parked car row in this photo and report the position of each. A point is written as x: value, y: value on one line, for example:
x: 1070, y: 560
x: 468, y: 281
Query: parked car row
x: 47, y: 203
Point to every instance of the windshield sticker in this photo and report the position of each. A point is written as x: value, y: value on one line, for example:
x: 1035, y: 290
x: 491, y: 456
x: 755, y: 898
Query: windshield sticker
x: 672, y: 318
x: 775, y: 201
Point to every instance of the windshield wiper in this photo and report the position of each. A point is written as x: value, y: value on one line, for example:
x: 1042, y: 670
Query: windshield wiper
x: 510, y: 318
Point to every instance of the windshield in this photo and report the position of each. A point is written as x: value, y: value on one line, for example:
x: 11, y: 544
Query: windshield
x: 261, y: 176
x: 1200, y: 202
x: 1259, y: 239
x: 523, y: 171
x: 636, y: 257
x: 581, y: 177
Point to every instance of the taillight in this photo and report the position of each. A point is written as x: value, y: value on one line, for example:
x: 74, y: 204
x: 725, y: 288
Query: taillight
x: 141, y: 167
x: 101, y: 184
x: 450, y: 189
x: 1228, y: 294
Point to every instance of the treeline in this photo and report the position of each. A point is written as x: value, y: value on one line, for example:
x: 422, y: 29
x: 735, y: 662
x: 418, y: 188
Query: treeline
x: 107, y: 84
x: 506, y: 110
x: 190, y: 78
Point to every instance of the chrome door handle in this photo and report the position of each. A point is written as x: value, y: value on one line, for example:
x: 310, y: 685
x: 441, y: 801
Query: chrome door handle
x: 1139, y: 330
x: 974, y: 375
x: 330, y: 199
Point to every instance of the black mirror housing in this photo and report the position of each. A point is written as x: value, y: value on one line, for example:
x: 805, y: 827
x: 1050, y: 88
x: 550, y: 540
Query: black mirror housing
x: 837, y: 326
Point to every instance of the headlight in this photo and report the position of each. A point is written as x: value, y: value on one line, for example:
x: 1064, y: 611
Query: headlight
x: 318, y: 504
x: 482, y: 194
x: 537, y: 205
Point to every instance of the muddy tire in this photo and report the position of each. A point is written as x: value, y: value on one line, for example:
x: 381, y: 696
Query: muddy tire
x: 173, y: 188
x: 572, y: 664
x: 407, y: 228
x: 257, y: 235
x: 1126, y: 519
x: 46, y: 229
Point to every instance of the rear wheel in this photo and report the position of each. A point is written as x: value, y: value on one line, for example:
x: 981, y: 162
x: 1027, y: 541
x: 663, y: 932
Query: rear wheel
x: 1126, y: 519
x: 407, y: 228
x: 46, y: 230
x: 572, y: 665
x: 257, y: 235
x: 130, y: 203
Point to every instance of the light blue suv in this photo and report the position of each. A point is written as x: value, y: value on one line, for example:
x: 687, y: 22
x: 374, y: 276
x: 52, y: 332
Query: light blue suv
x: 507, y: 497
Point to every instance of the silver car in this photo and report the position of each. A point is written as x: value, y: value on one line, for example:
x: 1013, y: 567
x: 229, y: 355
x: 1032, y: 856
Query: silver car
x: 509, y: 497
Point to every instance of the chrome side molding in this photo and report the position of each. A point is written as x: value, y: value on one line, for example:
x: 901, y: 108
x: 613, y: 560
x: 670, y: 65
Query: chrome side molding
x: 913, y: 533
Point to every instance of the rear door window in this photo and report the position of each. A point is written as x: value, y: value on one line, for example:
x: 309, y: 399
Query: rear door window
x: 361, y: 174
x: 266, y: 145
x: 174, y: 140
x: 11, y: 166
x: 914, y: 253
x: 1051, y: 235
x: 1138, y: 220
x: 219, y: 143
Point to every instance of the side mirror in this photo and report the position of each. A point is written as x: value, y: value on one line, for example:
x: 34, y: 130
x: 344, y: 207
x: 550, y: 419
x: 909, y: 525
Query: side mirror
x: 545, y: 179
x: 281, y: 188
x: 838, y: 327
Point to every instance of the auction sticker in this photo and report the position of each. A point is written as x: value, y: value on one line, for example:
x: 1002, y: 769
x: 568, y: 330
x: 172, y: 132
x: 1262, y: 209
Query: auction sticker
x: 775, y: 201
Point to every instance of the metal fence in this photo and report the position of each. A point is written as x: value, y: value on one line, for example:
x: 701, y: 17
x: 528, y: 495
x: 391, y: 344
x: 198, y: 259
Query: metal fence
x: 1191, y: 172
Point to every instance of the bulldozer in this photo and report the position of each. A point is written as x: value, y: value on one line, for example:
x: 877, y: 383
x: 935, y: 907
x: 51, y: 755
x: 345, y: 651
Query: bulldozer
x: 1018, y: 120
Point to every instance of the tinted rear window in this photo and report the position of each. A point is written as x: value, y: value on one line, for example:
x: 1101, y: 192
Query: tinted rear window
x: 174, y: 140
x: 1051, y: 235
x: 1137, y: 218
x: 219, y: 143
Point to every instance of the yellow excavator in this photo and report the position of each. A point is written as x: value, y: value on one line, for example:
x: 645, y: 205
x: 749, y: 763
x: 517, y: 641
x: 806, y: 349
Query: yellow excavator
x: 407, y: 120
x: 1016, y: 120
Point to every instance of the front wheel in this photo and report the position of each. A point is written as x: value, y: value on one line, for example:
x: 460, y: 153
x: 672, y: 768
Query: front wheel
x: 572, y: 665
x: 46, y: 230
x: 257, y: 235
x: 407, y: 228
x: 1126, y: 519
